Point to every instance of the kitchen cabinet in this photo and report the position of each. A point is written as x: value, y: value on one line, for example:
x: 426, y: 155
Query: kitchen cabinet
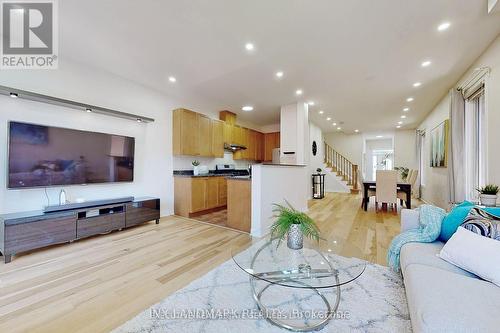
x: 228, y: 133
x: 239, y: 204
x: 271, y: 141
x: 260, y: 146
x: 217, y: 138
x: 196, y: 194
x: 195, y: 134
x: 185, y: 132
x: 204, y: 136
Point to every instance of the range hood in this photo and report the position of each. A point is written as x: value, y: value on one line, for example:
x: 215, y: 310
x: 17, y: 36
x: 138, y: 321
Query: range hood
x: 233, y: 147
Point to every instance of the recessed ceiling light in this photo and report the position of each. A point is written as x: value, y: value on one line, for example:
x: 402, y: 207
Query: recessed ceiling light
x: 334, y: 124
x: 311, y: 103
x: 14, y: 95
x: 279, y: 74
x: 400, y: 123
x: 172, y: 79
x: 426, y: 63
x: 298, y: 92
x: 321, y: 112
x: 406, y: 109
x: 417, y: 84
x: 403, y: 117
x: 356, y: 131
x: 379, y: 136
x: 410, y: 99
x: 328, y: 119
x: 88, y: 110
x: 443, y: 26
x: 339, y: 128
x: 399, y: 126
x: 249, y: 46
x: 247, y: 108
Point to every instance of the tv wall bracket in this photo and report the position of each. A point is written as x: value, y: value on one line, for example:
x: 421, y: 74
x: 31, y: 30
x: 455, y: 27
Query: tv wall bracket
x: 28, y: 95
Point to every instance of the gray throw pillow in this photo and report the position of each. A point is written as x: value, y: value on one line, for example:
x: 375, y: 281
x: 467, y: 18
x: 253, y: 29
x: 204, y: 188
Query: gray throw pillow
x: 483, y: 223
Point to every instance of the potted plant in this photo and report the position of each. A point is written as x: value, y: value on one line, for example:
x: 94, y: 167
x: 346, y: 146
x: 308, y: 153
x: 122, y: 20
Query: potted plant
x: 196, y: 170
x: 403, y: 171
x: 488, y: 195
x: 293, y: 225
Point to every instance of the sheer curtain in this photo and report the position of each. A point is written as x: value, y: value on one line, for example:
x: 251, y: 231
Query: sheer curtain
x: 420, y: 162
x: 456, y: 171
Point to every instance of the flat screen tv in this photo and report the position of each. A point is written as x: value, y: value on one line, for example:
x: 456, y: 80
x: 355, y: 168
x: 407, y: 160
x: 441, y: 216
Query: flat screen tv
x: 52, y: 156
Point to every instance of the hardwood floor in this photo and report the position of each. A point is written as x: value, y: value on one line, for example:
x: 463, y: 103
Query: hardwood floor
x: 94, y: 285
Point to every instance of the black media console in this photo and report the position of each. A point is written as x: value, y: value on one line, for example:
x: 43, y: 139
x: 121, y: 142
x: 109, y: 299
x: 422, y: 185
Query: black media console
x: 21, y: 232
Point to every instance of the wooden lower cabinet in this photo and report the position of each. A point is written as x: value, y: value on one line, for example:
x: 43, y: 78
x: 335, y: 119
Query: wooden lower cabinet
x: 196, y: 194
x: 239, y: 204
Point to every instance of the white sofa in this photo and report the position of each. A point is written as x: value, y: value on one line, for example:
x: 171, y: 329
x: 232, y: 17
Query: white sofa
x: 442, y: 297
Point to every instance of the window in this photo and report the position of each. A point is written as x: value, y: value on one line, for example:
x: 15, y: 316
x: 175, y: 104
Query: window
x: 475, y: 145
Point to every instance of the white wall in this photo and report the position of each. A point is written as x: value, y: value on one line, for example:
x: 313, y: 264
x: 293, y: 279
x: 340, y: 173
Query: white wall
x: 271, y: 184
x: 435, y: 187
x: 405, y: 149
x: 153, y: 159
x: 349, y: 145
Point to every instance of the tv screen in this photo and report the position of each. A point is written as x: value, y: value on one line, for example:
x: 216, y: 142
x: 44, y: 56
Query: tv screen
x: 50, y: 156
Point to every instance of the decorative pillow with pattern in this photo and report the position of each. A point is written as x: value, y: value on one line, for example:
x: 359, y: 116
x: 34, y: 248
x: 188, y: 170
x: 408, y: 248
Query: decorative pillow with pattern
x: 483, y: 223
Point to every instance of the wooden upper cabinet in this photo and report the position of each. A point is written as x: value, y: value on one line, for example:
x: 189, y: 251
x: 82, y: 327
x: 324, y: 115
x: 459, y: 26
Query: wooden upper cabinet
x: 228, y: 133
x: 271, y: 141
x: 217, y: 138
x: 260, y: 146
x: 204, y: 135
x: 185, y: 132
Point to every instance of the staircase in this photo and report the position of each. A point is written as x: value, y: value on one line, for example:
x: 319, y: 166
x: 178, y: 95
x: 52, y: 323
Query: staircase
x: 346, y: 171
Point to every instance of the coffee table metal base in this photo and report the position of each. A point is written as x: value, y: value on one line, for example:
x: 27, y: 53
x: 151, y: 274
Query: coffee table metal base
x: 305, y: 328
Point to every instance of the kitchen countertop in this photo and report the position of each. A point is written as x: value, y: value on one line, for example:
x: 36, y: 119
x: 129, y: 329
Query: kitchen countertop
x: 212, y: 173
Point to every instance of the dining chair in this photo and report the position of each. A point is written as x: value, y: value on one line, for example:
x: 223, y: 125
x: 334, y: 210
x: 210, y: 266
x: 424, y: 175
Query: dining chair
x: 386, y: 188
x: 411, y: 179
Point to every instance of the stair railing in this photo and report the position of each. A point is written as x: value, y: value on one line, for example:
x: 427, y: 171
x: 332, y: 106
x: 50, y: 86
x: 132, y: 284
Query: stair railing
x: 343, y: 167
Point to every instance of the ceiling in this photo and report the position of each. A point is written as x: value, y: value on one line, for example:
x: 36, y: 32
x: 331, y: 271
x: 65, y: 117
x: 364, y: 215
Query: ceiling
x: 356, y: 59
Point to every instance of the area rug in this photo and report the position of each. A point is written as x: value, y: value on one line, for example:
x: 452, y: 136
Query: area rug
x: 221, y: 301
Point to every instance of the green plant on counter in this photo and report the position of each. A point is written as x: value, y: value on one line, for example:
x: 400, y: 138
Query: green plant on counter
x: 195, y: 163
x: 490, y: 189
x: 403, y: 171
x: 286, y: 217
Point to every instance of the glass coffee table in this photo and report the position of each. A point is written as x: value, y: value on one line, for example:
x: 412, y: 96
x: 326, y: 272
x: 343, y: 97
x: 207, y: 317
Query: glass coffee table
x: 317, y: 267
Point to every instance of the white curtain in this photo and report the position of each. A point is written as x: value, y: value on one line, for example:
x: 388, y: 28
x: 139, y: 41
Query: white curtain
x: 456, y: 148
x: 420, y: 161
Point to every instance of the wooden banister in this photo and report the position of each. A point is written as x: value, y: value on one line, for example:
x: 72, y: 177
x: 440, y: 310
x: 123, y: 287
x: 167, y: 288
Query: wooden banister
x: 344, y: 168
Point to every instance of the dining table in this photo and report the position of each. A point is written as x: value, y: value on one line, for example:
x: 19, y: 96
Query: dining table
x: 401, y: 187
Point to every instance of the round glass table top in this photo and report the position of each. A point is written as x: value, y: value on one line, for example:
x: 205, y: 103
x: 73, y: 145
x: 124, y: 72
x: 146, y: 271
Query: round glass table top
x: 323, y: 264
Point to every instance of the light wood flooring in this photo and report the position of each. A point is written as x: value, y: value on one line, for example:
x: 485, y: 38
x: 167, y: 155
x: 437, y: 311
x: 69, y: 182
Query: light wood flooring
x: 95, y: 285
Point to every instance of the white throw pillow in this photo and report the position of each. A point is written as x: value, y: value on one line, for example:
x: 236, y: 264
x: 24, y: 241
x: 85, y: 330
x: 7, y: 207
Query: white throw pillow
x: 474, y: 253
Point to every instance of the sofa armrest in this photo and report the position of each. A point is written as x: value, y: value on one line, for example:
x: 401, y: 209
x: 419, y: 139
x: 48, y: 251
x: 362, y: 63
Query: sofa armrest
x: 409, y: 219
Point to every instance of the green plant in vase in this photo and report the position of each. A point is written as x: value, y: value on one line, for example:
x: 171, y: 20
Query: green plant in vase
x: 403, y: 171
x: 293, y: 225
x: 488, y: 195
x: 195, y: 165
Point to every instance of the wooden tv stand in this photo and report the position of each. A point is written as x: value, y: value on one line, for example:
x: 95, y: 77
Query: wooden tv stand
x: 25, y: 231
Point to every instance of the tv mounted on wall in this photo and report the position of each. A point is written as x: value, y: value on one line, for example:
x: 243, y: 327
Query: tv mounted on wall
x: 52, y: 156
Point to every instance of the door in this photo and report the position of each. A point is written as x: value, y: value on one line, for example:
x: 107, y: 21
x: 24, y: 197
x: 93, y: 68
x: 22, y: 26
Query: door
x: 217, y: 138
x: 198, y: 194
x: 204, y: 135
x: 212, y: 192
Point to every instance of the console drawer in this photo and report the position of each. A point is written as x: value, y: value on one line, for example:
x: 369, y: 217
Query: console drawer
x: 100, y: 224
x: 39, y: 233
x: 143, y: 211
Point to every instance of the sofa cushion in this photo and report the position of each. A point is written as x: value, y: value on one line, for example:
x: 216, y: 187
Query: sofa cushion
x: 454, y: 219
x: 442, y: 301
x: 427, y: 254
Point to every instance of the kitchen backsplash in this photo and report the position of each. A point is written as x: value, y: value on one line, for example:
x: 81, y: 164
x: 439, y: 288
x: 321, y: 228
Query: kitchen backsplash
x: 184, y: 162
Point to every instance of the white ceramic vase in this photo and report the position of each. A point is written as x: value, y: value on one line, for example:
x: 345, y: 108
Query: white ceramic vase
x: 196, y: 170
x: 488, y: 200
